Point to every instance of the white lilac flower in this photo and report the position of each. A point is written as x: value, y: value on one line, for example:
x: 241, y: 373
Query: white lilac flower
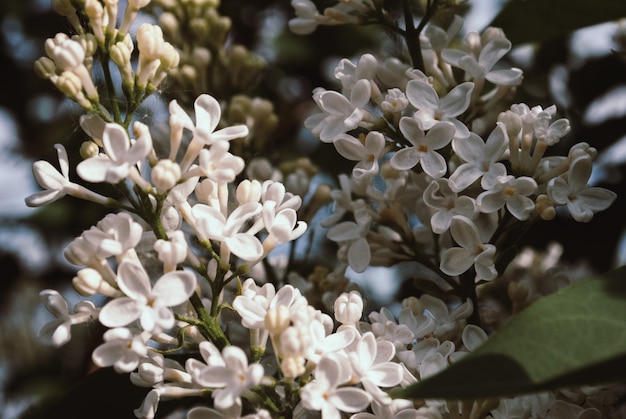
x: 352, y: 235
x: 114, y: 235
x: 212, y: 224
x: 446, y: 319
x: 367, y: 152
x: 229, y: 374
x: 57, y: 184
x: 307, y: 17
x: 326, y: 394
x: 349, y: 73
x: 275, y: 191
x: 395, y: 101
x: 283, y: 226
x: 57, y: 332
x: 218, y: 164
x: 550, y: 132
x: 150, y: 305
x: 339, y: 114
x: 322, y: 342
x: 512, y: 192
x: 121, y: 349
x: 208, y: 114
x: 482, y: 67
x: 120, y: 159
x: 428, y: 356
x: 473, y: 337
x: 582, y: 200
x: 481, y: 160
x: 432, y: 110
x: 446, y: 203
x: 253, y: 305
x: 423, y: 147
x: 473, y: 252
x: 372, y: 366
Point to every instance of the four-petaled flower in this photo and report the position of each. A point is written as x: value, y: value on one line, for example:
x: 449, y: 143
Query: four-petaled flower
x: 326, y: 393
x: 432, y: 110
x: 423, y: 147
x: 457, y: 260
x: 367, y: 152
x: 582, y: 200
x: 150, y: 305
x: 340, y: 114
x: 120, y: 159
x: 228, y: 373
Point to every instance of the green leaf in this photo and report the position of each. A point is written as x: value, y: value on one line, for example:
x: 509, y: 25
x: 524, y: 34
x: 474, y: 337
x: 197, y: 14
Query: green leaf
x: 540, y: 20
x: 574, y: 337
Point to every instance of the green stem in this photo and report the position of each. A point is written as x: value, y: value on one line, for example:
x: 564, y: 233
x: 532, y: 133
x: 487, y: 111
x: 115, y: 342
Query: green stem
x: 209, y: 326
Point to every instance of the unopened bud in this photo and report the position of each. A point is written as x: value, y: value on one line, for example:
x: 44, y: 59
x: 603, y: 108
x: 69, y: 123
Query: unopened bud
x: 95, y: 12
x: 88, y: 282
x: 45, y: 68
x: 165, y: 175
x: 512, y: 122
x: 70, y: 85
x: 170, y: 25
x: 249, y: 191
x: 89, y: 149
x: 277, y: 319
x: 348, y: 308
x: 66, y: 53
x: 149, y: 41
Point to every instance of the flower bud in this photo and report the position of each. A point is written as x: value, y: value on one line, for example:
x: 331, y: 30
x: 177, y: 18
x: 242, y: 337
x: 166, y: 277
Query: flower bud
x: 348, y: 308
x: 45, y: 68
x: 169, y: 56
x: 66, y: 53
x: 89, y: 149
x: 165, y: 174
x: 95, y: 12
x: 277, y: 319
x: 170, y: 25
x: 173, y: 251
x: 249, y: 191
x: 201, y: 57
x: 149, y: 41
x: 292, y: 366
x: 88, y: 282
x: 512, y: 123
x: 150, y: 373
x: 69, y: 83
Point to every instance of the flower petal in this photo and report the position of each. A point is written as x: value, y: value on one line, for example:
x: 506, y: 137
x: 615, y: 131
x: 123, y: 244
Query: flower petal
x: 120, y: 312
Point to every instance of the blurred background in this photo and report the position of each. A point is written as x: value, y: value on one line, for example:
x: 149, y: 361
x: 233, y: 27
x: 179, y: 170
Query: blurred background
x: 582, y: 72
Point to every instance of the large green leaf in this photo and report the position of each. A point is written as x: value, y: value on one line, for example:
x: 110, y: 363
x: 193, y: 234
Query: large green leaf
x: 574, y: 337
x: 540, y: 20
